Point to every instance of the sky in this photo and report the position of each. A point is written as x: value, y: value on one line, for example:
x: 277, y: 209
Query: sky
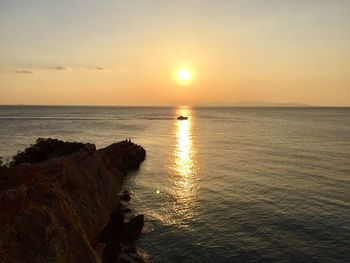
x: 84, y: 52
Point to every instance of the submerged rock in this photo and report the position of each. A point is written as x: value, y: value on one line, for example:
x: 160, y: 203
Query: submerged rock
x: 125, y: 196
x: 52, y: 208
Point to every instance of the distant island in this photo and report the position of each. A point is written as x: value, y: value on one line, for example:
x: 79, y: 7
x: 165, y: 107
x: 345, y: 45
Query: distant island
x: 254, y: 104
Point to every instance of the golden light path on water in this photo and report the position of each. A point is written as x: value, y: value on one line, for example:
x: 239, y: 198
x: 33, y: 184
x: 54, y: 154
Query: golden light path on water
x: 184, y: 170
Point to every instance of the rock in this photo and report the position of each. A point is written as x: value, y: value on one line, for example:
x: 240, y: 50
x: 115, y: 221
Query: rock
x: 133, y: 254
x: 125, y: 210
x: 133, y: 228
x: 53, y: 208
x: 118, y: 233
x: 117, y: 217
x: 121, y: 208
x: 111, y: 252
x: 98, y: 247
x: 125, y: 196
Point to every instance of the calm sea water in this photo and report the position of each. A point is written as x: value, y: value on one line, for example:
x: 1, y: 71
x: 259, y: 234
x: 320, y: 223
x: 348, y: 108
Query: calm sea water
x: 227, y: 185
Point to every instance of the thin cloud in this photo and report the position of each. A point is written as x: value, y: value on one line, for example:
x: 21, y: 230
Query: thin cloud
x: 77, y: 68
x: 32, y: 70
x: 22, y: 71
x: 59, y: 68
x: 118, y: 69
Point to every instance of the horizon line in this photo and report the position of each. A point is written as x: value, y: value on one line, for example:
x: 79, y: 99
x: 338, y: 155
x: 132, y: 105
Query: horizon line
x: 198, y: 105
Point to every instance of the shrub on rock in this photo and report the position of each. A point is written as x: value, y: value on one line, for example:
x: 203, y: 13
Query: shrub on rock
x: 43, y: 149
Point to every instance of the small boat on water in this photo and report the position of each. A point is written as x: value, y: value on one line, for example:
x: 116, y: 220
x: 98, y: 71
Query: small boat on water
x: 181, y: 118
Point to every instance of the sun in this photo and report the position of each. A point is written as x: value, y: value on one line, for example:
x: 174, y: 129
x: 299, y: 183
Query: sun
x: 184, y: 74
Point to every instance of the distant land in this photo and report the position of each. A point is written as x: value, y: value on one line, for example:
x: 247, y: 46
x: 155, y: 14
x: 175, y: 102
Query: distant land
x: 254, y: 104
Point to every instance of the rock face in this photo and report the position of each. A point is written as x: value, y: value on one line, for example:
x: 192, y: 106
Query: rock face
x: 52, y: 211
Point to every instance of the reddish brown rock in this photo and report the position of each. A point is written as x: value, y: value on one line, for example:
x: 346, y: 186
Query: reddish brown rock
x: 51, y: 211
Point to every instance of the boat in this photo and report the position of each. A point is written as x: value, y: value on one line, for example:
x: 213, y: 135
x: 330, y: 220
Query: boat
x: 181, y: 118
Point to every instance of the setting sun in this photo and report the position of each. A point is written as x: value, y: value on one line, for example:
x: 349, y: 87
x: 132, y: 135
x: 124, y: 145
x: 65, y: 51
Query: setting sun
x: 184, y: 74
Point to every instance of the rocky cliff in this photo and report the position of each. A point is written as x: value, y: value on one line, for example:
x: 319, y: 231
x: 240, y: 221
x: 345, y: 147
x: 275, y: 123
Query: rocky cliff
x: 53, y: 210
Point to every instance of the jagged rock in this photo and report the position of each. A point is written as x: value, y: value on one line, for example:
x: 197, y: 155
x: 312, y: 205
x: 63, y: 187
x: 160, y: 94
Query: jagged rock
x: 132, y: 254
x: 111, y: 252
x: 117, y: 217
x: 117, y: 233
x: 132, y: 229
x: 52, y: 210
x: 125, y: 196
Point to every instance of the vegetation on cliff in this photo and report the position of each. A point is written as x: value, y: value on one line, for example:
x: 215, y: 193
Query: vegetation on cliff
x: 43, y: 149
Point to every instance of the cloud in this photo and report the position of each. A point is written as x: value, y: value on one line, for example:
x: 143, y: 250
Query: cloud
x: 23, y: 71
x: 59, y: 68
x: 71, y: 68
x: 76, y: 68
x: 118, y: 69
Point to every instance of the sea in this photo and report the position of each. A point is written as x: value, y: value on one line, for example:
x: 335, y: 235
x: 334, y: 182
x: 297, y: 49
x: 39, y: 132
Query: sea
x: 227, y: 184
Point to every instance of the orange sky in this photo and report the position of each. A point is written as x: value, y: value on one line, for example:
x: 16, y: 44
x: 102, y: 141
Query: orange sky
x: 125, y: 52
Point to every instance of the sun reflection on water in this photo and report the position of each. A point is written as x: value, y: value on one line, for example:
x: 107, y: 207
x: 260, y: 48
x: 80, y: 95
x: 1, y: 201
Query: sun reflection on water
x: 184, y: 149
x: 184, y: 170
